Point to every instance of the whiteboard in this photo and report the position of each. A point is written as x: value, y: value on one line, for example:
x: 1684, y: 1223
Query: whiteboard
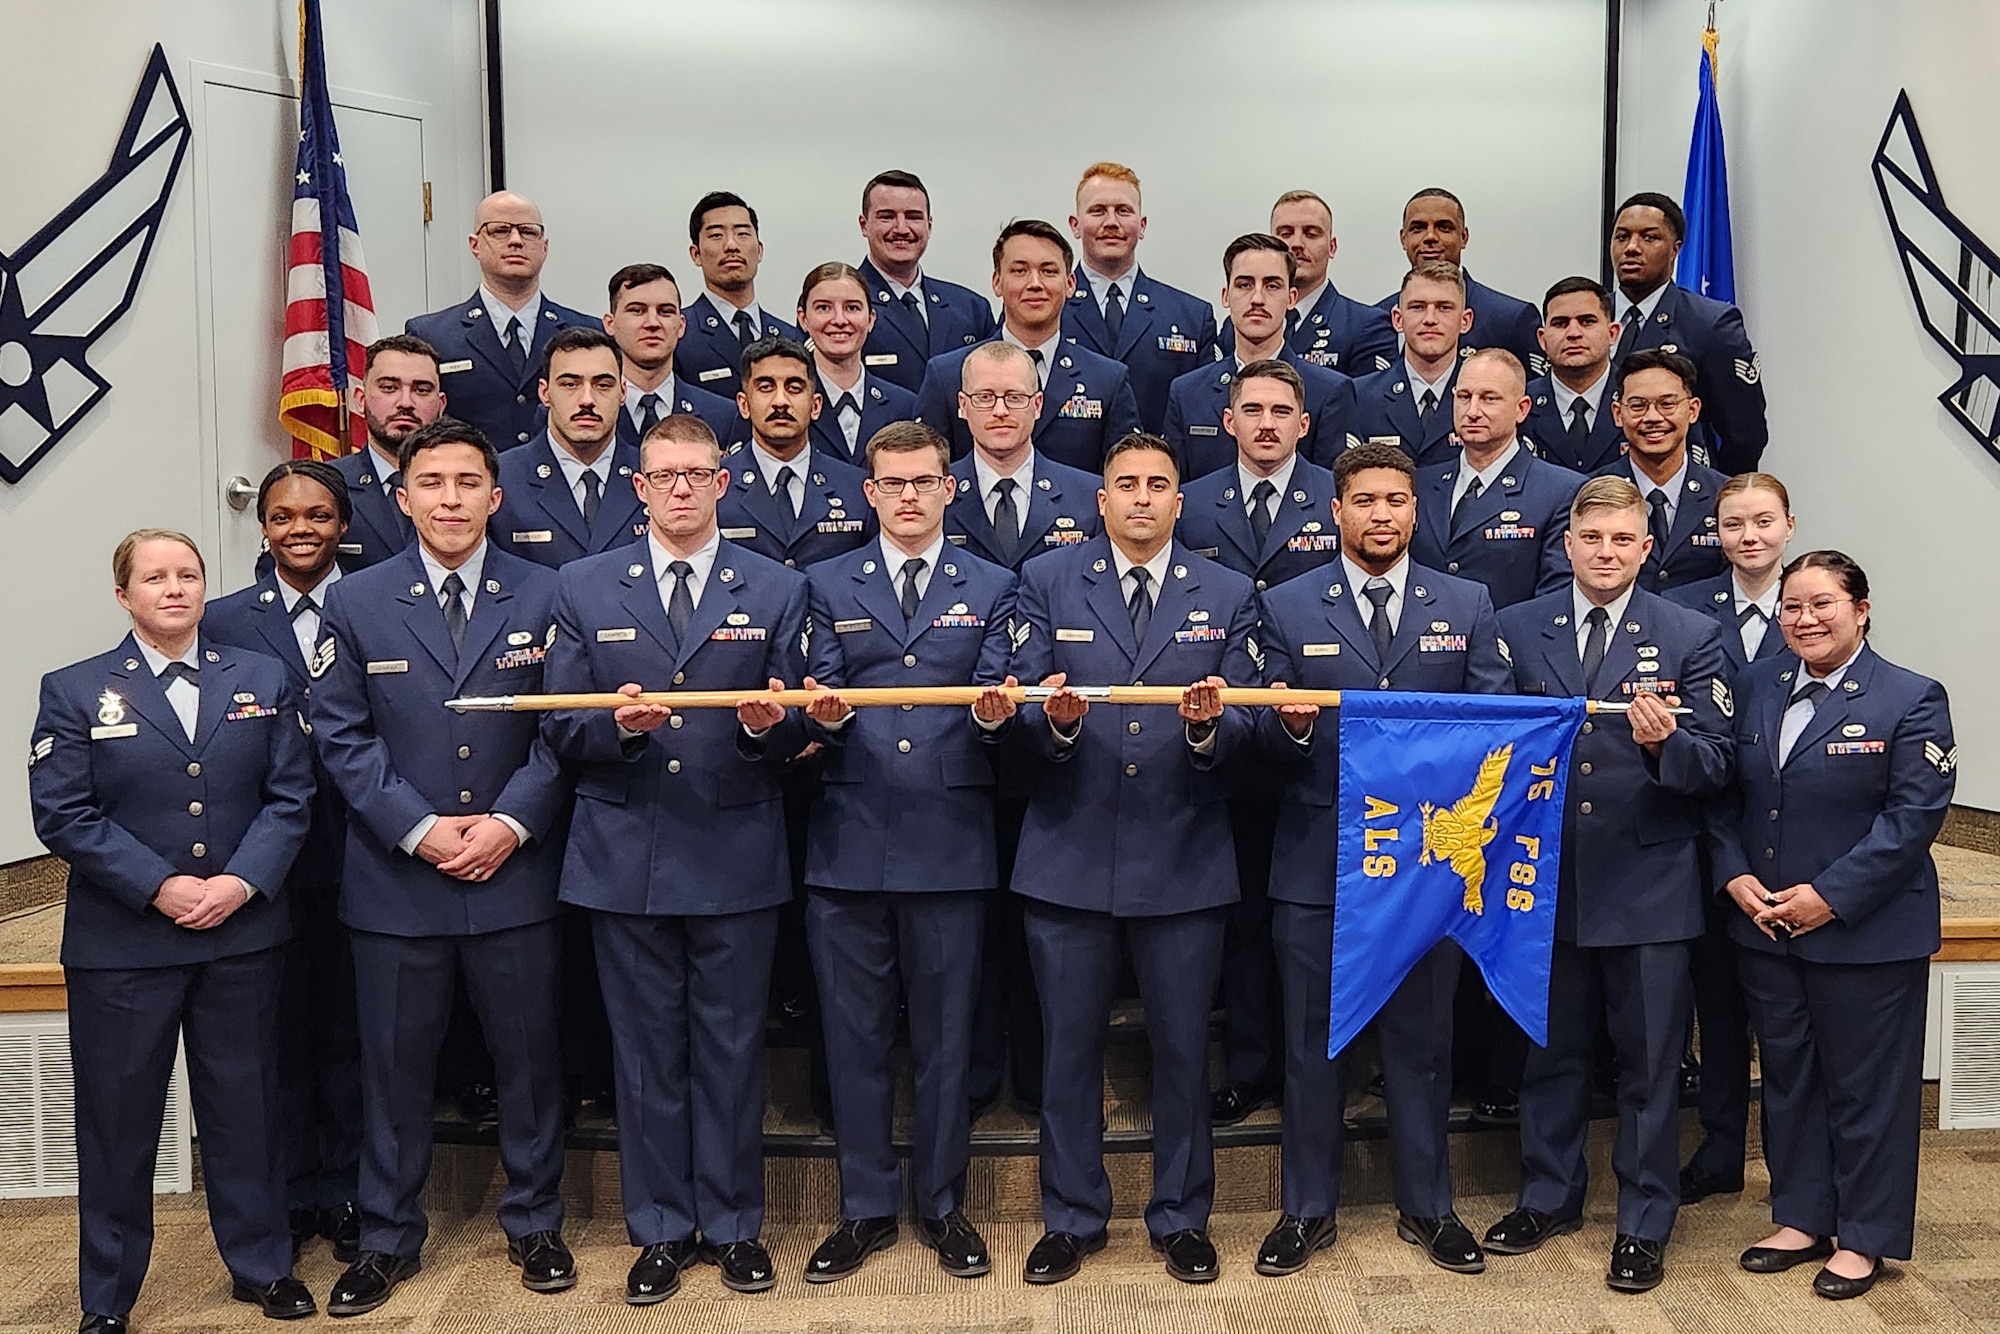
x: 619, y: 114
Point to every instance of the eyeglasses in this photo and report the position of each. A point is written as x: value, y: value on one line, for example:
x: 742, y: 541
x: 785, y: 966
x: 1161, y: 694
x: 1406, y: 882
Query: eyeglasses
x: 663, y: 479
x: 925, y: 486
x: 1821, y: 608
x: 500, y: 231
x: 1668, y: 404
x: 984, y: 399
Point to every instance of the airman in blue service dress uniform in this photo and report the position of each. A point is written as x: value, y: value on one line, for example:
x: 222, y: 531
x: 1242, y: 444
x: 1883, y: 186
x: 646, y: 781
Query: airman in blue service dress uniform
x: 648, y: 324
x: 1375, y: 620
x: 1409, y: 404
x: 678, y: 851
x: 1087, y: 401
x: 568, y: 493
x: 1630, y: 895
x: 1268, y: 516
x: 454, y: 842
x: 1127, y: 837
x: 398, y: 395
x: 1844, y: 777
x: 1159, y: 333
x: 887, y: 897
x: 489, y: 347
x: 1434, y: 230
x: 1571, y: 423
x: 1659, y: 314
x: 1325, y: 327
x: 917, y: 316
x: 1492, y: 512
x: 1657, y: 410
x: 303, y: 508
x: 726, y: 318
x: 173, y: 775
x: 835, y: 314
x: 1754, y: 516
x: 1258, y: 290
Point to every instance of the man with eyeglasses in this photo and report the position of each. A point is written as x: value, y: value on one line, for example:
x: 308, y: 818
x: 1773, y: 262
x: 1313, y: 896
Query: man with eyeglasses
x: 490, y: 346
x: 1011, y: 504
x: 677, y: 849
x: 888, y: 898
x: 791, y: 503
x: 1656, y: 407
x: 726, y: 318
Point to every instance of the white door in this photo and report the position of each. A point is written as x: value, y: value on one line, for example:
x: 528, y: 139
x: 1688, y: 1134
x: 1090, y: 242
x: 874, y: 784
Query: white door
x: 246, y: 132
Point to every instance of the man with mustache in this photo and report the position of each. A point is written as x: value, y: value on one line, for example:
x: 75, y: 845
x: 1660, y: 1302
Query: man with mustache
x: 490, y: 346
x: 725, y: 319
x: 1326, y: 327
x: 917, y: 316
x: 568, y: 493
x: 398, y: 393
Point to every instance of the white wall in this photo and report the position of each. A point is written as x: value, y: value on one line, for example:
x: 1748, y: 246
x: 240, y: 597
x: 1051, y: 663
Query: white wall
x: 1874, y: 464
x: 67, y: 77
x: 620, y: 114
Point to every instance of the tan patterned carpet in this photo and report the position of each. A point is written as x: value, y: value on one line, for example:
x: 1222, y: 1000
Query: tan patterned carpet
x: 1368, y: 1282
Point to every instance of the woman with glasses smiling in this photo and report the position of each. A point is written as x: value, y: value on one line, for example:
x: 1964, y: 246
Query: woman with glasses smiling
x: 1844, y: 773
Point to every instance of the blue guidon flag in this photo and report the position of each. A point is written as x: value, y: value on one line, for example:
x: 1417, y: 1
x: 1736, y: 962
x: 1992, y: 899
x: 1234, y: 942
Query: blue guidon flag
x: 1451, y: 813
x: 1707, y: 264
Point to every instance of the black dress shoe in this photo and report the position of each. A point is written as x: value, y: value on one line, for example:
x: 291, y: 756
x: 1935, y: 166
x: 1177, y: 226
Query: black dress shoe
x: 1777, y: 1259
x: 656, y: 1274
x: 1837, y: 1289
x: 1445, y: 1240
x: 368, y: 1282
x: 1230, y: 1104
x: 479, y: 1104
x: 1697, y: 1185
x: 281, y: 1299
x: 1690, y: 1077
x: 1637, y: 1265
x: 848, y: 1246
x: 746, y: 1266
x: 1059, y: 1256
x: 102, y: 1324
x: 341, y: 1225
x: 545, y: 1263
x: 1190, y: 1255
x: 1524, y: 1229
x: 1292, y: 1243
x: 1497, y: 1110
x: 961, y: 1251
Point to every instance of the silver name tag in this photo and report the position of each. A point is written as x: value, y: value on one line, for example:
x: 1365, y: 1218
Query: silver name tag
x: 1076, y: 636
x: 389, y: 668
x: 539, y: 535
x: 107, y: 733
x: 719, y: 373
x: 739, y: 534
x: 853, y: 627
x: 617, y: 636
x: 447, y: 367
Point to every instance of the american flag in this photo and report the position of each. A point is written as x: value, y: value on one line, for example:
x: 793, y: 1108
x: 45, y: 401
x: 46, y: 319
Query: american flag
x: 329, y: 313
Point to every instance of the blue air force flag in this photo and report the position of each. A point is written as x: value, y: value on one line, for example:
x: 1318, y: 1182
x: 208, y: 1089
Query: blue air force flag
x: 1707, y: 264
x: 1451, y: 811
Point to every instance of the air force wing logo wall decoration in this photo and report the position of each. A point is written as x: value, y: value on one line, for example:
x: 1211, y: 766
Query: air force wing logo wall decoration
x: 72, y: 280
x: 1954, y: 276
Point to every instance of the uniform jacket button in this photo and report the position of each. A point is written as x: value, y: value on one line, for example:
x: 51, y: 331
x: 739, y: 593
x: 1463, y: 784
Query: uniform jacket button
x: 904, y: 745
x: 194, y: 769
x: 680, y: 678
x: 194, y: 808
x: 1131, y: 771
x: 1583, y: 768
x: 908, y: 707
x: 1133, y: 727
x: 465, y: 752
x: 675, y: 720
x: 909, y: 659
x: 1588, y: 727
x: 1385, y: 683
x: 199, y: 849
x: 465, y: 796
x: 1452, y: 568
x: 1583, y: 809
x: 673, y: 766
x: 1769, y: 853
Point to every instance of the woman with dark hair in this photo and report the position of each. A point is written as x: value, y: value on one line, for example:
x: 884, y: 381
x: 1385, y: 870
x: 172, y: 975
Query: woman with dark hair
x: 173, y: 774
x: 1844, y: 774
x: 305, y: 510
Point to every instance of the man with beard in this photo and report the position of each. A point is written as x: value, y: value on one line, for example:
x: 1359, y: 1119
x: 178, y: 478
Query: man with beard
x: 397, y: 395
x: 568, y: 493
x: 917, y: 317
x: 646, y: 320
x: 725, y: 319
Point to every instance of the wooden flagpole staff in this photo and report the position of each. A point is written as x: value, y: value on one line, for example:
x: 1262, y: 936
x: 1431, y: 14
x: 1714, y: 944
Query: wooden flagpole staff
x: 882, y: 697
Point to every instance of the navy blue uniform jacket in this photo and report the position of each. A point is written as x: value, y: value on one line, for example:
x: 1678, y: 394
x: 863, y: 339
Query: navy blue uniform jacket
x: 1694, y: 545
x: 833, y: 517
x: 685, y: 820
x: 1087, y: 406
x: 1728, y: 376
x: 908, y: 796
x: 1385, y: 410
x: 539, y: 519
x: 397, y: 754
x: 121, y: 794
x: 1130, y: 820
x: 1061, y: 512
x: 479, y: 382
x: 1215, y: 522
x: 881, y: 402
x: 1549, y: 433
x: 1852, y: 813
x: 1197, y: 400
x: 901, y: 345
x: 1510, y: 537
x: 1165, y: 334
x: 709, y: 356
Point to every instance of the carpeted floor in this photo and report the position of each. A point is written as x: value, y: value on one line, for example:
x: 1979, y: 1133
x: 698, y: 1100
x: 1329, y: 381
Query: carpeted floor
x: 1368, y: 1282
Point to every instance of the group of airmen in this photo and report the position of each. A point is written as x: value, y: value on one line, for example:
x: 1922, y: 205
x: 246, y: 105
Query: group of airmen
x: 1452, y: 491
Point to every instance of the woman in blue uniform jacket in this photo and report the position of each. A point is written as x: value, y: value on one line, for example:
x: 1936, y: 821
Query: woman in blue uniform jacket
x: 1844, y: 773
x: 174, y: 776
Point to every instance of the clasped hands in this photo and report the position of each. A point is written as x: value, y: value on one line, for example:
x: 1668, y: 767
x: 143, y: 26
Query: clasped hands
x: 200, y: 904
x: 1798, y: 910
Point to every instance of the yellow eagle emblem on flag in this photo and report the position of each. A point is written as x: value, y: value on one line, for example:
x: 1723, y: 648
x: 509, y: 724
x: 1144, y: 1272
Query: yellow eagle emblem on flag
x: 1460, y: 835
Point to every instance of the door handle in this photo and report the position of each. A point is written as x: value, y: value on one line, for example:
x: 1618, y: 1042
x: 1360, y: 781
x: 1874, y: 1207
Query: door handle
x: 239, y: 492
